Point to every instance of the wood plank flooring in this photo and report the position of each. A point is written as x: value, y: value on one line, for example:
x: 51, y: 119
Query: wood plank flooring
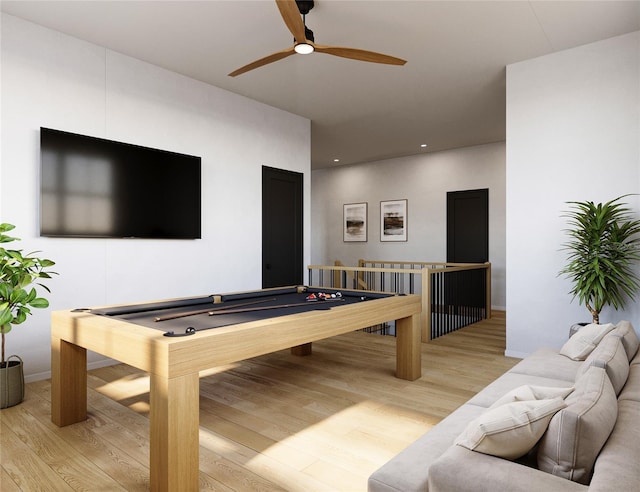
x: 275, y: 422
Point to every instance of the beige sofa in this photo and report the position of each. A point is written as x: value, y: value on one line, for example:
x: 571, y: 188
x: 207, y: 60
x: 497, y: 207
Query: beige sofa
x: 590, y: 439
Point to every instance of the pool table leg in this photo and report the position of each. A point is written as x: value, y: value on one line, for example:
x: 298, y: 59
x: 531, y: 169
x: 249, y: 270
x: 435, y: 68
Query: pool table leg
x: 408, y: 345
x: 174, y: 434
x: 68, y: 382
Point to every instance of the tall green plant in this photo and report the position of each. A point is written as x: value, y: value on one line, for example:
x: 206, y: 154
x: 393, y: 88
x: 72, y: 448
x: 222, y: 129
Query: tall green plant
x: 18, y: 273
x: 602, y: 249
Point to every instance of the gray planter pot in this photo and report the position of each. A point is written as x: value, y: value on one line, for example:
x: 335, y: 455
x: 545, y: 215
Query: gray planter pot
x: 11, y: 382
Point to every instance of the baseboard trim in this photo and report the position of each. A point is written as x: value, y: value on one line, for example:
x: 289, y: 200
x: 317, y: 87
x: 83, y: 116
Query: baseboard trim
x: 40, y: 376
x: 516, y: 355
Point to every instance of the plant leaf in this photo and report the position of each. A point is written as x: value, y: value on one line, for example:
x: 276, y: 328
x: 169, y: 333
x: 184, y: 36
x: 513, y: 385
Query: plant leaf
x: 39, y: 303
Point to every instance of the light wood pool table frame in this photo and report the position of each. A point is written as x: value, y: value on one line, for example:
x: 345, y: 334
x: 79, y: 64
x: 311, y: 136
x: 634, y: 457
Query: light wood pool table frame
x: 174, y: 364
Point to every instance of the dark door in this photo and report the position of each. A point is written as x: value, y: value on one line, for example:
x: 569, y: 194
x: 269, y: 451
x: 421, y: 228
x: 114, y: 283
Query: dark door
x: 281, y: 228
x: 468, y: 226
x: 467, y: 242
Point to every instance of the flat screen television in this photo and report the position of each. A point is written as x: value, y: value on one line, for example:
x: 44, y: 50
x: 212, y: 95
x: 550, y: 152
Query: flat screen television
x: 92, y: 187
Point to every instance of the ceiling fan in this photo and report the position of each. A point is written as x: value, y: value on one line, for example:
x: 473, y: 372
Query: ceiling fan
x: 291, y: 11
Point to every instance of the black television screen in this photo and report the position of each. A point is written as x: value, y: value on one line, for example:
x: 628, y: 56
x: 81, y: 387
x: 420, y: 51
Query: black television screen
x: 92, y: 187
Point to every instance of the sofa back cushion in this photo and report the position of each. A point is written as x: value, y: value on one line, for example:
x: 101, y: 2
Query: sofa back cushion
x: 630, y: 340
x: 577, y: 433
x: 611, y: 355
x: 585, y: 340
x: 631, y: 390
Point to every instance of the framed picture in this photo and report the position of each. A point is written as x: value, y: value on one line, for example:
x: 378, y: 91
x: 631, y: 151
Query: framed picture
x: 354, y: 222
x: 393, y: 220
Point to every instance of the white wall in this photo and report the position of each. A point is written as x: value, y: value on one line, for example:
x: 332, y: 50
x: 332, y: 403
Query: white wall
x: 424, y: 181
x: 573, y: 133
x: 52, y: 80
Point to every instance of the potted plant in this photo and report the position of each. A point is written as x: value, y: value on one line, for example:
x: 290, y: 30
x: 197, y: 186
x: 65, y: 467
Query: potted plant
x: 18, y: 274
x: 602, y: 249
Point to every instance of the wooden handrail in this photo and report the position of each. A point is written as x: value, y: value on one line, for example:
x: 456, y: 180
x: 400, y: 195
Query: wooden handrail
x: 364, y: 269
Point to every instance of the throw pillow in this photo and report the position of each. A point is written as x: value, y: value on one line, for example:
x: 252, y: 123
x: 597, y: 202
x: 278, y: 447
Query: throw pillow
x: 582, y: 343
x: 576, y: 433
x: 510, y: 431
x: 528, y: 393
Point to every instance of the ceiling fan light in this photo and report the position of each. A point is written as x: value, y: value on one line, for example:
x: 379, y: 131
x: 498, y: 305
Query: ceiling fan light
x: 303, y: 48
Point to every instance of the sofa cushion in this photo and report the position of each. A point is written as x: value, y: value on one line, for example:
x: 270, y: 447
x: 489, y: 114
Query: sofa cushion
x: 409, y: 469
x: 630, y: 339
x: 510, y: 430
x: 461, y: 470
x: 611, y: 355
x: 548, y: 363
x: 530, y: 392
x: 631, y: 390
x: 617, y: 465
x: 582, y: 343
x: 510, y: 381
x: 577, y: 433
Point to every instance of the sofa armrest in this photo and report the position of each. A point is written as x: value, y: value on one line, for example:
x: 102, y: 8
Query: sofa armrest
x: 463, y: 470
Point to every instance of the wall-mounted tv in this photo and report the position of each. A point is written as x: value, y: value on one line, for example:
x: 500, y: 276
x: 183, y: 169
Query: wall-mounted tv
x: 92, y: 187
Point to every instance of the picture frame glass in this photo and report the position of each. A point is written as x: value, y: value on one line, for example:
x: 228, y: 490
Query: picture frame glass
x: 354, y: 222
x: 393, y: 220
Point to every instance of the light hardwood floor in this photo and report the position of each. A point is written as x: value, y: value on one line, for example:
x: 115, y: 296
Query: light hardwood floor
x: 275, y: 422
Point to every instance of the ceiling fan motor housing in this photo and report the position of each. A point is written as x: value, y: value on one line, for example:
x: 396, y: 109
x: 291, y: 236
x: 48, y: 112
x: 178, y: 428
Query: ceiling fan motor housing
x: 304, y: 6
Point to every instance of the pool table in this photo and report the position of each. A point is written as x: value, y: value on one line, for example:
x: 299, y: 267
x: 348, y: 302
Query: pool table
x: 175, y: 339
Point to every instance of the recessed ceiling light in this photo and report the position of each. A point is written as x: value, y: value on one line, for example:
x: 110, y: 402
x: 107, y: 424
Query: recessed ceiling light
x: 423, y: 145
x: 336, y: 160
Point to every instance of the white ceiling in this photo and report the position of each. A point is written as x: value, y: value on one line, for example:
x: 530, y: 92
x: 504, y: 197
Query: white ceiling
x: 451, y: 92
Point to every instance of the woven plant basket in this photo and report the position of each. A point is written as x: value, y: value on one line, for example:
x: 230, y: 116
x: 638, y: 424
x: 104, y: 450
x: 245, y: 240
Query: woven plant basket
x: 11, y: 382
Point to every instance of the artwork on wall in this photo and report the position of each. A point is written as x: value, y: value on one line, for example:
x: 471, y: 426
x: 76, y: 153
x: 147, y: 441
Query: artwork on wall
x: 393, y: 220
x: 354, y: 222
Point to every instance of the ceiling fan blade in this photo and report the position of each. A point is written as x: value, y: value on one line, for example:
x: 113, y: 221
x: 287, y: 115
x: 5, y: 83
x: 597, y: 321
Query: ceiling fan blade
x: 274, y: 57
x: 291, y: 16
x: 362, y: 55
